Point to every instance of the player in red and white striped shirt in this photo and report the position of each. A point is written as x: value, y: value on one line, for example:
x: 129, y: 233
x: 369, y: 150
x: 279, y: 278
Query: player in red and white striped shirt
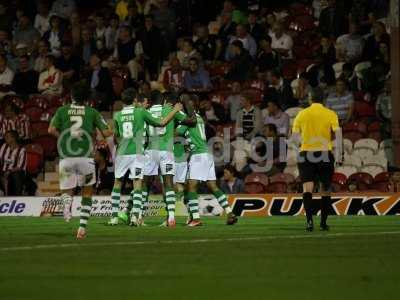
x: 12, y: 165
x: 12, y: 120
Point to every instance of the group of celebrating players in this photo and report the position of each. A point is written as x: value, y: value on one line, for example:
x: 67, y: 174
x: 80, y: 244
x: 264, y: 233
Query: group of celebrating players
x: 163, y: 135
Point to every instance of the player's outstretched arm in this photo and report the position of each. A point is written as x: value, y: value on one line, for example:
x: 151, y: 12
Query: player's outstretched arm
x: 177, y: 108
x: 53, y: 131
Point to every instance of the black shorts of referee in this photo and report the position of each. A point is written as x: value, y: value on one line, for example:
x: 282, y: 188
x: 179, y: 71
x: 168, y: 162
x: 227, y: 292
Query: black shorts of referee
x: 317, y: 166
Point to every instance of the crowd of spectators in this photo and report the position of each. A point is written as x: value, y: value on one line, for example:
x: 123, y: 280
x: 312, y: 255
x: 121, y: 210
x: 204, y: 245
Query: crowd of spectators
x: 248, y: 64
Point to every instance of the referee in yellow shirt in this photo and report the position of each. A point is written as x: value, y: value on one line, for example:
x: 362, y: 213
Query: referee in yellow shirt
x: 315, y: 129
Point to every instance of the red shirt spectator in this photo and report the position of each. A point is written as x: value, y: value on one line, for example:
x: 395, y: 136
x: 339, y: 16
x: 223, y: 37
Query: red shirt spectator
x: 11, y: 120
x: 173, y: 76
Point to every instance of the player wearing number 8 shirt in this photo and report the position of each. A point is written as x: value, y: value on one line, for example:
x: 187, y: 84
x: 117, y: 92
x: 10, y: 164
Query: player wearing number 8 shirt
x: 74, y: 125
x: 129, y: 127
x: 201, y: 168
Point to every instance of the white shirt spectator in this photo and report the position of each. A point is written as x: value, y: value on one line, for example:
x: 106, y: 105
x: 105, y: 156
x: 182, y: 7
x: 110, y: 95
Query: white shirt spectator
x: 284, y: 42
x: 6, y: 77
x: 50, y: 82
x: 352, y: 46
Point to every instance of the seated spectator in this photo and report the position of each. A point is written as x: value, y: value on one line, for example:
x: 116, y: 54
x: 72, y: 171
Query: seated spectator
x: 69, y: 64
x: 6, y: 77
x: 173, y: 76
x: 128, y: 52
x: 112, y: 32
x: 230, y: 184
x: 188, y: 52
x: 281, y: 42
x: 104, y: 172
x: 12, y: 119
x: 341, y: 101
x: 267, y: 58
x: 134, y: 19
x: 54, y: 36
x: 241, y: 65
x: 333, y: 19
x: 196, y: 79
x: 247, y: 40
x: 301, y: 89
x: 63, y: 8
x: 42, y: 18
x: 25, y: 33
x: 12, y: 165
x: 280, y: 90
x: 87, y: 46
x: 99, y: 33
x: 249, y: 120
x: 100, y: 83
x: 75, y: 30
x: 327, y: 51
x: 40, y: 61
x: 351, y: 44
x: 371, y: 49
x: 213, y: 112
x: 277, y: 117
x: 227, y: 28
x: 20, y: 50
x: 25, y: 80
x: 207, y: 45
x: 256, y: 30
x: 50, y: 80
x: 233, y: 102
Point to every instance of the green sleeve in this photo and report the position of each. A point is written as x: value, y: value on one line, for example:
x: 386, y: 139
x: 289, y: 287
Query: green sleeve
x: 150, y: 119
x: 56, y: 120
x: 181, y: 129
x: 180, y: 116
x: 116, y: 127
x: 99, y: 121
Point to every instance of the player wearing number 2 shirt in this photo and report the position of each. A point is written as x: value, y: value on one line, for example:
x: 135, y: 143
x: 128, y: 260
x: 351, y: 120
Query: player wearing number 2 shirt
x: 129, y: 127
x: 74, y: 125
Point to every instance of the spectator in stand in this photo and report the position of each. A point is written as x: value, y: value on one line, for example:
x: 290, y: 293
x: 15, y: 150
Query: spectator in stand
x: 150, y: 36
x: 112, y: 32
x: 40, y: 61
x: 54, y: 35
x: 256, y: 30
x: 50, y: 80
x: 69, y: 64
x: 99, y: 33
x: 277, y: 117
x: 280, y: 90
x: 13, y: 165
x: 145, y: 89
x: 281, y: 42
x: 5, y: 43
x: 213, y: 112
x: 241, y: 65
x: 164, y: 19
x: 20, y: 50
x: 230, y: 184
x: 206, y: 45
x: 25, y: 80
x: 228, y: 27
x: 104, y: 172
x: 233, y: 102
x: 129, y: 52
x: 249, y: 119
x: 76, y: 30
x: 87, y: 46
x: 6, y: 77
x: 42, y: 19
x: 333, y: 20
x: 6, y: 18
x: 341, y: 101
x: 351, y: 44
x: 188, y: 52
x: 173, y: 76
x: 384, y: 109
x: 326, y: 52
x: 301, y: 89
x: 63, y: 8
x: 100, y: 83
x: 372, y: 44
x: 267, y: 58
x: 196, y: 79
x: 134, y: 19
x: 12, y: 119
x: 247, y: 40
x: 26, y: 34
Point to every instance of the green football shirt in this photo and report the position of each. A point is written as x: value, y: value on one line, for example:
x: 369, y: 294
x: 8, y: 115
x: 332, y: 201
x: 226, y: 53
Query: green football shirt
x: 179, y: 144
x: 129, y: 129
x: 162, y: 138
x: 77, y: 127
x: 196, y: 136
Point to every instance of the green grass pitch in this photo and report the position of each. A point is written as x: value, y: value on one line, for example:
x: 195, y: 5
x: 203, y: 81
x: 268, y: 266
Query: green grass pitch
x: 259, y: 258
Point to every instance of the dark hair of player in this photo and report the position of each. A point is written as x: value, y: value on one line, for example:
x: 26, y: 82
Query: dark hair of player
x: 156, y: 97
x: 171, y: 98
x: 128, y: 96
x: 79, y: 93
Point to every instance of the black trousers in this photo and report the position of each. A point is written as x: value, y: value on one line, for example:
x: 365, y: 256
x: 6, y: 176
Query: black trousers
x: 15, y: 183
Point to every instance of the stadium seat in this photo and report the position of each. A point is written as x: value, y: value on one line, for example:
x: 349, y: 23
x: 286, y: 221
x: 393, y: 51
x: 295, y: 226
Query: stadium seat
x: 384, y: 176
x: 55, y: 101
x: 353, y: 136
x: 375, y: 135
x: 49, y: 145
x: 34, y: 158
x: 363, y: 109
x: 256, y: 182
x: 339, y: 181
x: 37, y: 101
x: 382, y: 186
x: 34, y: 113
x: 363, y: 180
x: 346, y: 170
x: 355, y: 126
x: 352, y: 160
x: 347, y: 146
x: 39, y: 128
x: 366, y: 143
x: 289, y: 70
x: 282, y: 177
x: 372, y: 169
x: 388, y: 143
x: 277, y: 187
x: 376, y: 160
x: 374, y: 126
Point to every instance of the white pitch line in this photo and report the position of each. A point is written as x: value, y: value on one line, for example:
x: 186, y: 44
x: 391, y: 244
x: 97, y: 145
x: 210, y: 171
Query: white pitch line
x: 197, y: 241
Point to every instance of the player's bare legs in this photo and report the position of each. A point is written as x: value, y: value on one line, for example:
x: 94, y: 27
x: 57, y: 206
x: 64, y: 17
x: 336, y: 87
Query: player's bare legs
x: 67, y: 198
x: 170, y: 199
x: 86, y: 206
x: 115, y: 201
x: 193, y: 202
x: 223, y: 201
x: 137, y: 201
